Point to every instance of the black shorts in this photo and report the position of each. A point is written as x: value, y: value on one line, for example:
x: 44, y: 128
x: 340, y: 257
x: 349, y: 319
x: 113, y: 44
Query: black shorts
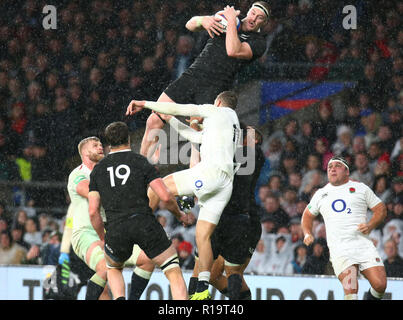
x: 189, y: 89
x: 141, y: 229
x: 254, y: 234
x: 230, y: 238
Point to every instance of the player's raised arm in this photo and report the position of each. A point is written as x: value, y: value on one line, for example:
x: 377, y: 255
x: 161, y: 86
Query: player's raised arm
x: 235, y: 48
x: 176, y: 109
x: 210, y: 23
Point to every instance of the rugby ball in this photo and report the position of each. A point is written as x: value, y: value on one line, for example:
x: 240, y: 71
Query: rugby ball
x: 223, y: 21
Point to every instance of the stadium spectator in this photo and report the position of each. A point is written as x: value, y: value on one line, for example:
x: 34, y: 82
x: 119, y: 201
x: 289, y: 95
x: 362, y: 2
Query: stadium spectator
x: 393, y: 262
x: 279, y: 258
x: 31, y: 235
x: 362, y: 172
x: 10, y: 252
x: 17, y: 233
x: 317, y: 262
x: 299, y: 260
x: 275, y: 185
x: 344, y: 141
x: 326, y: 125
x: 50, y: 250
x: 381, y: 187
x: 257, y: 259
x: 186, y: 257
x: 273, y: 210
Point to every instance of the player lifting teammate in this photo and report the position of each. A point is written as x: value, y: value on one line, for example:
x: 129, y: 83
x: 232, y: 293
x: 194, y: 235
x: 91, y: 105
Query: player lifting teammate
x: 211, y: 179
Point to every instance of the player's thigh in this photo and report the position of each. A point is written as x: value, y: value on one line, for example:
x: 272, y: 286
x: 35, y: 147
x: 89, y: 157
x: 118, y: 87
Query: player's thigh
x: 348, y: 277
x: 164, y: 98
x: 376, y: 277
x: 234, y: 239
x: 207, y: 94
x: 132, y: 261
x: 183, y: 182
x: 84, y: 242
x: 213, y: 195
x: 167, y: 258
x: 95, y: 257
x: 218, y: 268
x: 181, y: 90
x: 120, y: 238
x: 150, y: 235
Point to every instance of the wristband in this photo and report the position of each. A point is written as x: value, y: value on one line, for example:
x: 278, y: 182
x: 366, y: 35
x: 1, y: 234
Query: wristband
x: 307, y: 235
x: 199, y: 21
x: 194, y: 121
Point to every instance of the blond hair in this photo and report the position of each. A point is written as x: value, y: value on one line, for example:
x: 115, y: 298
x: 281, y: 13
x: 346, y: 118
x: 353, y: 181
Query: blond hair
x: 83, y: 142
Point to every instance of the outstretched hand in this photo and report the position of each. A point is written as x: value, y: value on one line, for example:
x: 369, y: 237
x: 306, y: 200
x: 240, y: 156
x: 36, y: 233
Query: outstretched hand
x: 134, y: 107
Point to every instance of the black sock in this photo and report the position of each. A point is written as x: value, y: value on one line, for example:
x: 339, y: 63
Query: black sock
x: 120, y: 298
x: 202, y: 285
x: 192, y: 285
x: 93, y: 291
x: 234, y: 286
x: 137, y: 286
x: 369, y: 296
x: 245, y: 295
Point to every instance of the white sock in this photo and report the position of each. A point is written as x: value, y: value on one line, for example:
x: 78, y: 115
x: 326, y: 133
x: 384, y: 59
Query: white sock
x: 351, y: 296
x: 204, y: 276
x: 376, y: 294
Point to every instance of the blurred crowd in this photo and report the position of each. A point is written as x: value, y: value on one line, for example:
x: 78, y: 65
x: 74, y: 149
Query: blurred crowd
x: 59, y: 86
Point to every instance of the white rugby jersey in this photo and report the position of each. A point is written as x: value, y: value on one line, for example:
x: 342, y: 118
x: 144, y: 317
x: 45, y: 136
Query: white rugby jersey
x: 220, y: 135
x: 343, y: 208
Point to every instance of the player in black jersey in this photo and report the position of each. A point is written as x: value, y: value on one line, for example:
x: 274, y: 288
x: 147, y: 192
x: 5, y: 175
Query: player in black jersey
x: 120, y: 181
x: 239, y: 230
x: 214, y: 70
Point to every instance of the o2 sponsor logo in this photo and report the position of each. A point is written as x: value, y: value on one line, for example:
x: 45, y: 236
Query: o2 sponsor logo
x: 339, y: 205
x: 198, y: 184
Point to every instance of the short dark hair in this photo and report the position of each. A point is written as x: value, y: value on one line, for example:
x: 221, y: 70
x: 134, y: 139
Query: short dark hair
x: 228, y: 99
x: 117, y: 134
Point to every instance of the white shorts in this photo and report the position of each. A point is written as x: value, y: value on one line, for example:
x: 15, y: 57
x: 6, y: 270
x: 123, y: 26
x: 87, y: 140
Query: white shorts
x: 364, y: 258
x: 211, y: 186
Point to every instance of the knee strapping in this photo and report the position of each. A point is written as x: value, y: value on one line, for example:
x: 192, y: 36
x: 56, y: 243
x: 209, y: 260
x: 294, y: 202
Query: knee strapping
x: 143, y: 273
x: 171, y: 262
x: 98, y: 280
x: 96, y: 256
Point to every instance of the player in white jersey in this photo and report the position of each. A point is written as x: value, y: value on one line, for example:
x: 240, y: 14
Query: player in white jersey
x: 211, y: 179
x: 343, y: 203
x: 85, y: 241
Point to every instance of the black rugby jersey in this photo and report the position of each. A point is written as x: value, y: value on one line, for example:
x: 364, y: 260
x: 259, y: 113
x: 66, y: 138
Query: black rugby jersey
x: 122, y: 179
x: 213, y: 65
x: 243, y: 192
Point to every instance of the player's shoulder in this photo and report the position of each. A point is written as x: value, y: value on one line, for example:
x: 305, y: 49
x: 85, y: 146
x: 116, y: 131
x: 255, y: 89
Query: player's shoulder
x: 76, y: 171
x: 358, y: 184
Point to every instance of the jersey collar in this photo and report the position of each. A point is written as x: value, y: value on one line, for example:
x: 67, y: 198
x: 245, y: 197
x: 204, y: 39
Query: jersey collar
x: 85, y: 168
x: 124, y: 150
